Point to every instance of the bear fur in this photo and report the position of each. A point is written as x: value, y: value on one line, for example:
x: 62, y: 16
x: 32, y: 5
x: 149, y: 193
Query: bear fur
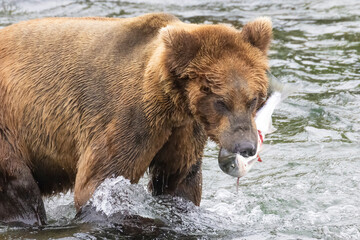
x: 85, y: 99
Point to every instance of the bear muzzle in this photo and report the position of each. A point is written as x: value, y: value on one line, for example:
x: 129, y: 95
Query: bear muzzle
x: 239, y: 162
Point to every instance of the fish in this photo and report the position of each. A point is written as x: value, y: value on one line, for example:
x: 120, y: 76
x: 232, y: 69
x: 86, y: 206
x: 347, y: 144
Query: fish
x: 238, y: 166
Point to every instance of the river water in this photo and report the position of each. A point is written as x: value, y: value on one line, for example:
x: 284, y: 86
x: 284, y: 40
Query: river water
x: 308, y: 185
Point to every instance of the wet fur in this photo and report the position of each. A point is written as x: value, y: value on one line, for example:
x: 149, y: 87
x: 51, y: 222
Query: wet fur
x: 84, y: 99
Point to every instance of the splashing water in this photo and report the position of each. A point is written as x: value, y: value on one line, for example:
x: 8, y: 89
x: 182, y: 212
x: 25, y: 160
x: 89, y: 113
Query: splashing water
x: 122, y: 204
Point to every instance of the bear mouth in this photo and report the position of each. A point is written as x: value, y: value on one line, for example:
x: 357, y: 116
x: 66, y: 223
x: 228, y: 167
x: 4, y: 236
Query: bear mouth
x: 234, y: 164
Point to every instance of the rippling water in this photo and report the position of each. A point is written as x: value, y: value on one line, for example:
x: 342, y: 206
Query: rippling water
x: 307, y: 186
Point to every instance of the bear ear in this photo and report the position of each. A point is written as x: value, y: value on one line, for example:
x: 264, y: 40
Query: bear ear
x: 258, y: 33
x: 181, y: 47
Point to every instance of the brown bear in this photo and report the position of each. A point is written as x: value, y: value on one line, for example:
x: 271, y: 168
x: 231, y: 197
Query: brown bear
x: 85, y: 99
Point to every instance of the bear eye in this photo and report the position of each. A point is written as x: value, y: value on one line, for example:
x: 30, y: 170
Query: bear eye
x: 260, y: 103
x: 220, y: 106
x: 205, y: 89
x: 253, y: 103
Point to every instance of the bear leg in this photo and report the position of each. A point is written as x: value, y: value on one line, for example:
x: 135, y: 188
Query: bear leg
x: 191, y: 187
x: 176, y: 168
x: 20, y: 197
x: 187, y: 186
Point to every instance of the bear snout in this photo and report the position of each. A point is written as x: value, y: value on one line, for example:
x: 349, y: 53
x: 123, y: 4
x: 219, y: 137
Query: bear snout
x: 240, y: 142
x: 245, y: 149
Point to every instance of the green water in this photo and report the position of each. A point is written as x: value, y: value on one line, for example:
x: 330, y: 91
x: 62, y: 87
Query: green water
x: 307, y: 186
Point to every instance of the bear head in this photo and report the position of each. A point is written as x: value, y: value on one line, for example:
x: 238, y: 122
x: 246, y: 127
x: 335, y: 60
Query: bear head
x: 221, y: 74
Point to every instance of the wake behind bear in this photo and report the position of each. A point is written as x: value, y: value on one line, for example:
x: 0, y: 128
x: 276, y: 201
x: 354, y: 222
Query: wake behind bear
x: 85, y: 99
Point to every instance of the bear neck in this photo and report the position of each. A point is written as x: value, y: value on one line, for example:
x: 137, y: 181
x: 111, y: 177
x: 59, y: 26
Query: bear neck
x: 165, y: 103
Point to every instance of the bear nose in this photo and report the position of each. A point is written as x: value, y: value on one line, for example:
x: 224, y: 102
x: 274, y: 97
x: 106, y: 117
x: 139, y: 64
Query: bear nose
x: 246, y: 149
